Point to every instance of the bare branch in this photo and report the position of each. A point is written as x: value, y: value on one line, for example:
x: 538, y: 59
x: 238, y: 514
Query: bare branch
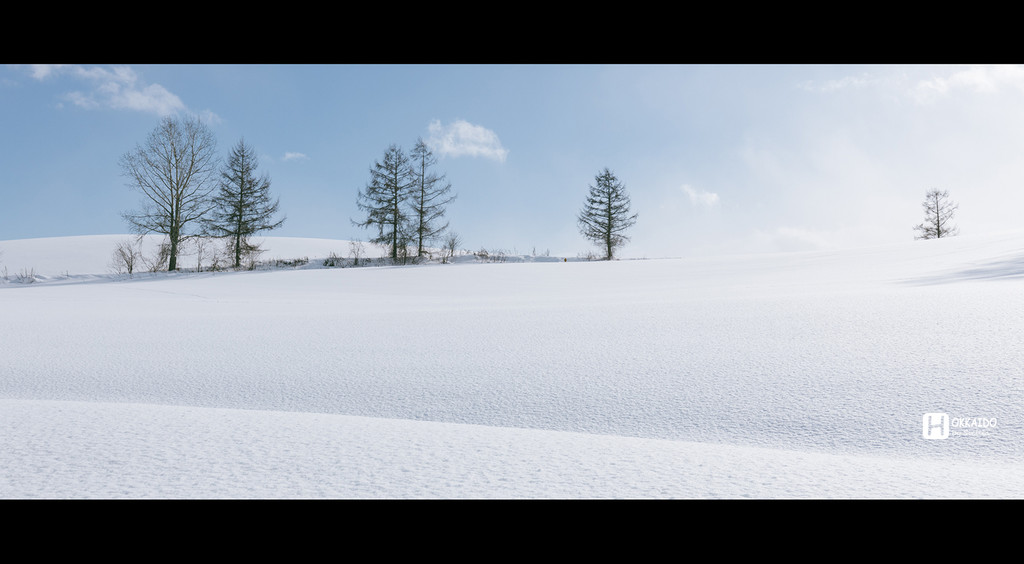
x: 938, y: 215
x: 174, y: 171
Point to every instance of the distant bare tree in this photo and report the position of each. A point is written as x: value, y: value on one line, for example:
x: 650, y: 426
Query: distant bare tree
x: 356, y: 250
x: 175, y: 171
x: 938, y: 214
x: 126, y: 258
x: 201, y: 244
x: 451, y: 244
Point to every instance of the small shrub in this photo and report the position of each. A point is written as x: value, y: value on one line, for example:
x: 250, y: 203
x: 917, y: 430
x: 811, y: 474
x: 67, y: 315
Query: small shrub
x: 357, y: 251
x: 302, y: 261
x: 334, y: 260
x: 494, y: 255
x: 26, y: 276
x: 160, y: 260
x: 125, y: 258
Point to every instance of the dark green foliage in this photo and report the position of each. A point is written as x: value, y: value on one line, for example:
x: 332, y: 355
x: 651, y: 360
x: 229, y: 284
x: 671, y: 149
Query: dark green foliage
x: 428, y: 198
x: 391, y: 183
x: 242, y: 207
x: 605, y: 217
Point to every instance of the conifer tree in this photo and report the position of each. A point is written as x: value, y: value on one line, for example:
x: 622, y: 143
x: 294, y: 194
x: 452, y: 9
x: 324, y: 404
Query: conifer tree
x: 428, y: 197
x: 938, y: 216
x: 243, y: 206
x: 605, y: 217
x: 384, y: 200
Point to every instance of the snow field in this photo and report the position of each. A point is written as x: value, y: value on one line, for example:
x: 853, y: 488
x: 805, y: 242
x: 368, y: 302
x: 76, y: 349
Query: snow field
x: 789, y: 375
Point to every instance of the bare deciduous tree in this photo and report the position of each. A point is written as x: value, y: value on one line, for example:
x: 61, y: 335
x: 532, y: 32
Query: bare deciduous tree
x: 201, y: 245
x: 175, y: 171
x: 605, y: 216
x: 938, y: 214
x: 451, y: 245
x: 126, y: 258
x: 356, y: 250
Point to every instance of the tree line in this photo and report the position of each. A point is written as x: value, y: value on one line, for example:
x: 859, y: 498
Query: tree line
x: 190, y: 194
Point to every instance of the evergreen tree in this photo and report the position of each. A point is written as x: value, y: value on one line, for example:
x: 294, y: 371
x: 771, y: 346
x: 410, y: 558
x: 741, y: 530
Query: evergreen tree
x: 243, y: 207
x: 384, y: 199
x: 428, y: 198
x: 605, y: 217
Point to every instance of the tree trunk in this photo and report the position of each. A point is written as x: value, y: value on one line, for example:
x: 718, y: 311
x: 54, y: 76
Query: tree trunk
x: 172, y: 261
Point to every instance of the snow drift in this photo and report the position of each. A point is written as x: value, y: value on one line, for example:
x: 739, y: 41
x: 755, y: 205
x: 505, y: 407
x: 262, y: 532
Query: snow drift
x: 782, y: 375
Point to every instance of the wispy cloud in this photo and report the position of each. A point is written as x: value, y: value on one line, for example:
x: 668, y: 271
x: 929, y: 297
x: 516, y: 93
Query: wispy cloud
x: 463, y: 138
x: 118, y: 88
x: 941, y: 81
x: 290, y: 156
x: 845, y: 83
x: 700, y: 197
x: 979, y: 79
x: 41, y: 72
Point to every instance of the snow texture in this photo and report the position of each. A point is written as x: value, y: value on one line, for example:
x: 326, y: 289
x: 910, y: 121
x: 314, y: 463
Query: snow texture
x: 793, y: 375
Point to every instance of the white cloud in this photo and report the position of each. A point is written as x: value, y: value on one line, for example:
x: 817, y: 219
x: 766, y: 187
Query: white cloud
x: 463, y: 138
x: 844, y: 83
x: 40, y: 72
x: 153, y: 98
x: 209, y: 117
x: 117, y: 88
x: 290, y: 156
x: 980, y: 79
x: 700, y: 197
x: 941, y: 81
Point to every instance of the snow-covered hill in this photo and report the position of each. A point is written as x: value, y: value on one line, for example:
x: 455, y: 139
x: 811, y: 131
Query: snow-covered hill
x: 780, y: 375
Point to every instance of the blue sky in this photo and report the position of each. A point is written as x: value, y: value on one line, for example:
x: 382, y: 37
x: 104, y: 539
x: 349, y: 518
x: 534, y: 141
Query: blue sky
x: 716, y: 159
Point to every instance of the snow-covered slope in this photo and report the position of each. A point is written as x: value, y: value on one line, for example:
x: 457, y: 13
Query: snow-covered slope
x: 786, y: 375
